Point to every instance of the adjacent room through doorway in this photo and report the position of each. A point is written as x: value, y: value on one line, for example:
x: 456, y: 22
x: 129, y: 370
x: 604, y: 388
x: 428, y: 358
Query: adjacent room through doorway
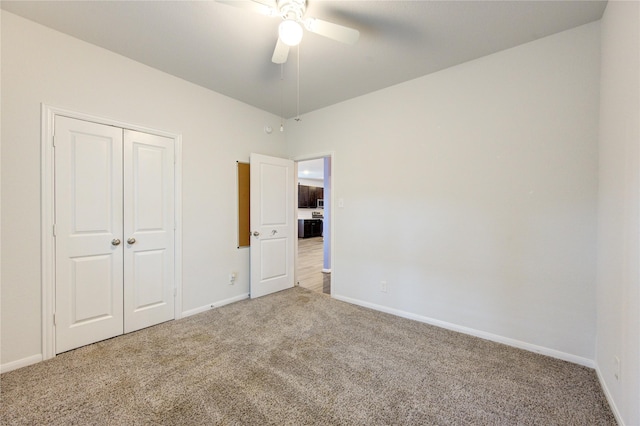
x: 314, y: 263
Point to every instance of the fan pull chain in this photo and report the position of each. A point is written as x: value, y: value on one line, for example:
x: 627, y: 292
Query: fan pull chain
x: 281, y: 96
x: 298, y: 89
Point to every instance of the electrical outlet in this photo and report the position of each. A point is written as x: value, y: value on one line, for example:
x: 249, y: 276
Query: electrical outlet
x: 232, y: 278
x: 616, y: 367
x: 383, y: 286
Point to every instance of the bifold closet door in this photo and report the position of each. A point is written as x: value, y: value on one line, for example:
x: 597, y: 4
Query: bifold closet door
x: 114, y: 231
x: 88, y: 232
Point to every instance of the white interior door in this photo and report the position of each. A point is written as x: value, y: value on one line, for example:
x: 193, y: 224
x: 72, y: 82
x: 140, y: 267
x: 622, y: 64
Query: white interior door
x: 272, y: 223
x: 115, y: 239
x: 89, y: 252
x: 148, y: 230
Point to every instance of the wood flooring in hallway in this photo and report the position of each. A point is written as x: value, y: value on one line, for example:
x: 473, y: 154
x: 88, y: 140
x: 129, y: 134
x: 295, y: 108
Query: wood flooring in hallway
x: 310, y: 261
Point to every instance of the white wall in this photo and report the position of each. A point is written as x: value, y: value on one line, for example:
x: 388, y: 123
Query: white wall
x: 41, y: 65
x: 618, y: 325
x: 311, y: 182
x: 481, y: 208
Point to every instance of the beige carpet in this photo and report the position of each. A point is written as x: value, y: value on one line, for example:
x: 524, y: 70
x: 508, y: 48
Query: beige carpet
x: 301, y: 358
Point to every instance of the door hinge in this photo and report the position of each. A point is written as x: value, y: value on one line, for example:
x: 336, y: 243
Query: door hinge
x: 175, y: 292
x: 54, y: 319
x: 54, y: 229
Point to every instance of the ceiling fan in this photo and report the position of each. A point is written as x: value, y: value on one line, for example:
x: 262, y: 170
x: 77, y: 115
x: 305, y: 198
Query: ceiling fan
x: 290, y: 29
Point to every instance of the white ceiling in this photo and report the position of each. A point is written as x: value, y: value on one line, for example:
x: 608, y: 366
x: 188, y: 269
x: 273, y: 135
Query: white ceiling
x: 311, y: 169
x: 228, y: 49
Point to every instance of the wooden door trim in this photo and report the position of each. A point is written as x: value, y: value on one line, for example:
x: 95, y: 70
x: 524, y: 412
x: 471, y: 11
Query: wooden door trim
x: 47, y: 217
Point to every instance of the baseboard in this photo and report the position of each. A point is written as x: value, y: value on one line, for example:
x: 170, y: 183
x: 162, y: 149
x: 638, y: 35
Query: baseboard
x: 34, y: 359
x: 610, y: 400
x: 473, y: 332
x: 14, y: 365
x: 214, y: 305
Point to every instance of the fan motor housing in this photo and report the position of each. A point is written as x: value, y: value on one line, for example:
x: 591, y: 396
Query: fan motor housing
x: 292, y: 9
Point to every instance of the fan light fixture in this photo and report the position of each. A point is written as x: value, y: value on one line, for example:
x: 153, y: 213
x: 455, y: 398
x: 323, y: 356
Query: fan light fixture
x: 290, y: 32
x: 293, y: 14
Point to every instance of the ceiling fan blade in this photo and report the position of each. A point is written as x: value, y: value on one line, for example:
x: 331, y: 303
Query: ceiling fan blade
x: 281, y: 53
x: 332, y: 31
x: 263, y: 7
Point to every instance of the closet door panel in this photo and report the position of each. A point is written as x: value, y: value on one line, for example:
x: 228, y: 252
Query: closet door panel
x: 89, y: 253
x: 148, y: 229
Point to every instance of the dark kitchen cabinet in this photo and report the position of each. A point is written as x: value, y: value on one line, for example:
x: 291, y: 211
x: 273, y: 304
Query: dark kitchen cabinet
x: 308, y: 196
x: 308, y: 228
x: 303, y: 196
x: 315, y: 194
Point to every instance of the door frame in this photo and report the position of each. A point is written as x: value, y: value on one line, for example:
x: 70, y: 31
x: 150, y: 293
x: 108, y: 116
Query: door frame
x: 332, y: 233
x: 47, y: 214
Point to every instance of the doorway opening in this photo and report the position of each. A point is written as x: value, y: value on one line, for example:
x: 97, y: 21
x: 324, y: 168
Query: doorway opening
x: 313, y: 266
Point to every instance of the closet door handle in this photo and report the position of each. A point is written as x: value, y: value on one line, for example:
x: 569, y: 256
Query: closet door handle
x: 115, y: 242
x: 131, y: 240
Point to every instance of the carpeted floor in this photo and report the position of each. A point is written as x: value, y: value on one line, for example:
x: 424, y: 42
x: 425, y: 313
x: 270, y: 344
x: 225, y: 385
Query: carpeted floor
x: 301, y: 358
